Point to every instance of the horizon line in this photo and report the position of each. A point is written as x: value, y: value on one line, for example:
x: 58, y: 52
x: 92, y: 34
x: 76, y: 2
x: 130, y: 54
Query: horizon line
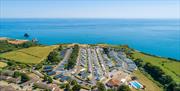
x: 78, y: 18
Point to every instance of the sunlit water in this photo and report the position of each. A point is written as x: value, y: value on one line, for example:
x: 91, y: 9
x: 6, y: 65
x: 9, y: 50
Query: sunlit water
x: 159, y: 37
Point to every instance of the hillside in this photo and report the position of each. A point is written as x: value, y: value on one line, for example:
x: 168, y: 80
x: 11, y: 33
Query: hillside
x: 170, y: 67
x: 32, y: 55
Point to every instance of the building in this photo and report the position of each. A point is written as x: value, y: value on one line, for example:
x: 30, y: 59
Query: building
x: 7, y: 88
x: 113, y: 83
x: 51, y: 73
x: 42, y: 85
x: 65, y: 78
x: 10, y: 79
x: 7, y: 73
x: 58, y: 76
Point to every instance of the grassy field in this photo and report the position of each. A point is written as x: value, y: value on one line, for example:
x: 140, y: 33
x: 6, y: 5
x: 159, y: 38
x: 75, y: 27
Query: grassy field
x: 32, y: 55
x: 150, y: 85
x: 170, y: 67
x: 2, y: 64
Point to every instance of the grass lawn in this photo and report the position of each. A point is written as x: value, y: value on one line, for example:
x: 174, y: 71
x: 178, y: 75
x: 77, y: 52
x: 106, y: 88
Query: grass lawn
x: 2, y: 64
x: 170, y: 67
x: 32, y: 55
x: 150, y: 85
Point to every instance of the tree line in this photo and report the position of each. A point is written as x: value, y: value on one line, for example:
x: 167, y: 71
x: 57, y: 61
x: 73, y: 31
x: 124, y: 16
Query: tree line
x: 53, y: 58
x: 24, y: 77
x: 101, y: 87
x: 72, y: 60
x: 159, y: 75
x: 6, y: 47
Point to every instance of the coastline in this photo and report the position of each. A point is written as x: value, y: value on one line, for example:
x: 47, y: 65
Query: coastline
x: 174, y: 59
x: 135, y: 55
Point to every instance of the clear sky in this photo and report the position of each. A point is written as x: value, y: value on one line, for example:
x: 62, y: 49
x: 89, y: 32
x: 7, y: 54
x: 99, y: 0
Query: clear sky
x: 90, y: 9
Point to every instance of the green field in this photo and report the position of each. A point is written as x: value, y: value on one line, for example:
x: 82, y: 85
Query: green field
x: 150, y: 85
x: 170, y: 67
x: 2, y: 64
x: 32, y: 55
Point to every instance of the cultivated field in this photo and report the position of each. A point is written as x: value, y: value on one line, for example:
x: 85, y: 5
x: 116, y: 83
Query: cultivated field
x: 170, y: 67
x: 31, y: 55
x: 2, y: 64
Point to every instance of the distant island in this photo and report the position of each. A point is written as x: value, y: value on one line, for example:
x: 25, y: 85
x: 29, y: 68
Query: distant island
x: 98, y: 67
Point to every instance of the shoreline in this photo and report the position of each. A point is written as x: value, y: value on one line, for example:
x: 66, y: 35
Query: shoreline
x: 150, y: 54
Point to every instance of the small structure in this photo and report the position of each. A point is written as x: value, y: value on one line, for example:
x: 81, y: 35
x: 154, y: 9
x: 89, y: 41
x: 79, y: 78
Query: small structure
x: 58, y: 76
x: 51, y: 87
x: 51, y: 73
x: 34, y: 40
x: 83, y: 74
x: 42, y: 85
x: 33, y: 78
x: 7, y: 73
x: 65, y: 78
x: 7, y: 88
x: 131, y: 65
x: 136, y: 84
x: 113, y: 83
x: 47, y: 68
x: 10, y: 79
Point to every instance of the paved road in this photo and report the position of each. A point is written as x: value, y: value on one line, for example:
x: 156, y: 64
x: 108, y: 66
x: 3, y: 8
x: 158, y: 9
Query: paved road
x: 103, y: 65
x: 77, y: 67
x: 90, y: 64
x: 97, y: 66
x: 65, y: 59
x: 89, y: 60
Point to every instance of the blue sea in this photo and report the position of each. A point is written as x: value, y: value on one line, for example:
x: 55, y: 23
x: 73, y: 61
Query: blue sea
x: 156, y: 36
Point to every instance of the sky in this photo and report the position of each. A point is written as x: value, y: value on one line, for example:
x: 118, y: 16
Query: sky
x: 90, y: 9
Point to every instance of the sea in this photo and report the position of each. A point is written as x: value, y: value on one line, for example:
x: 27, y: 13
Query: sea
x: 159, y: 37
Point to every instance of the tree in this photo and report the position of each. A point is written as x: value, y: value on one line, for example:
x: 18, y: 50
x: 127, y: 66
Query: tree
x: 173, y: 86
x: 106, y: 51
x: 45, y: 77
x: 123, y: 88
x: 67, y: 88
x: 157, y: 74
x: 60, y: 48
x: 50, y: 80
x: 28, y: 44
x: 38, y: 66
x: 16, y: 74
x: 73, y: 82
x: 76, y: 87
x: 52, y: 57
x: 24, y: 77
x: 101, y: 86
x: 111, y: 90
x: 10, y: 63
x: 165, y: 79
x: 72, y: 60
x: 62, y: 86
x: 139, y: 62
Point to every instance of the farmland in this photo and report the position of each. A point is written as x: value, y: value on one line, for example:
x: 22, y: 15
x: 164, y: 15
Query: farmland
x: 32, y: 55
x: 2, y: 64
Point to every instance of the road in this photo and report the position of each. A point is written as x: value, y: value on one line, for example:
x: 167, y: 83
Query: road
x: 77, y: 67
x: 97, y: 67
x: 65, y: 59
x: 103, y: 65
x: 90, y: 64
